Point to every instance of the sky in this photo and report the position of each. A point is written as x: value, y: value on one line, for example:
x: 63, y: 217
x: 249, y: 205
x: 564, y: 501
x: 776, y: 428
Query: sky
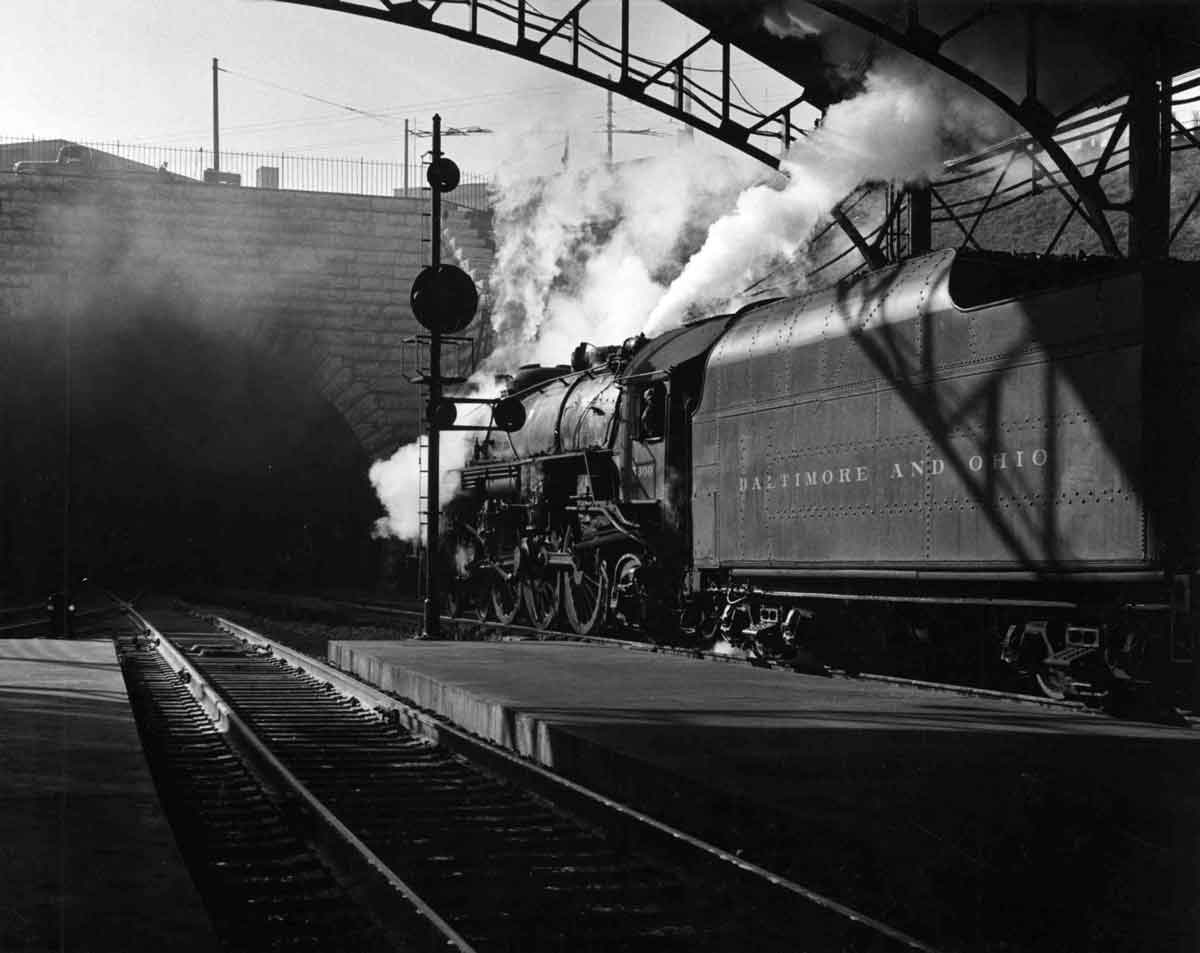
x: 139, y: 71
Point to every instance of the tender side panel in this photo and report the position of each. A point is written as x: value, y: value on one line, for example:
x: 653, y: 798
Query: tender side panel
x: 1172, y: 411
x: 887, y: 428
x: 706, y: 481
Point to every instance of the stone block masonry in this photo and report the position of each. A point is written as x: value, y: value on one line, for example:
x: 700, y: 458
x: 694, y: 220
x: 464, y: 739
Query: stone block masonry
x: 319, y: 280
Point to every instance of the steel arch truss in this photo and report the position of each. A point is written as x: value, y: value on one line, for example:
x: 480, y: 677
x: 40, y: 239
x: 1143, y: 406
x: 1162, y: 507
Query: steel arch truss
x: 970, y: 203
x: 1042, y: 63
x: 819, y: 49
x: 693, y: 83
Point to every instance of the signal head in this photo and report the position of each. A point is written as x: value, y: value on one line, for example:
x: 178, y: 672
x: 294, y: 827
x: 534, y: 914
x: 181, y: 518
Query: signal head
x: 509, y: 414
x: 442, y: 414
x: 444, y: 298
x: 443, y: 174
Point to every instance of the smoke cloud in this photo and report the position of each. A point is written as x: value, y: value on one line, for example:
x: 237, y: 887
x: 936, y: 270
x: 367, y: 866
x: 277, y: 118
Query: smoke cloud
x: 399, y: 483
x: 907, y: 121
x: 582, y: 254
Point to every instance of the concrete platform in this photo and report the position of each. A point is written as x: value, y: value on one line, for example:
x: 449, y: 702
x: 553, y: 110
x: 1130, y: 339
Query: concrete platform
x: 87, y: 860
x: 973, y: 822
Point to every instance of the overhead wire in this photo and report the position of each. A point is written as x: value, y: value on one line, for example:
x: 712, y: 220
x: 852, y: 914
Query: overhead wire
x: 393, y: 116
x: 400, y: 112
x: 317, y: 99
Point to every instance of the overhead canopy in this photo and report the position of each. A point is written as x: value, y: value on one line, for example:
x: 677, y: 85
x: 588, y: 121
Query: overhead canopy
x: 1038, y: 62
x: 1074, y: 53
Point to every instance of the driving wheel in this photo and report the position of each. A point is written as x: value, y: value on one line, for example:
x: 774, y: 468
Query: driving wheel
x: 585, y: 588
x: 543, y: 597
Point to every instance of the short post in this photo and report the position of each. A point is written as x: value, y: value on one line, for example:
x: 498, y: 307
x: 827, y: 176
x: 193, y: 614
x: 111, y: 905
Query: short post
x: 216, y: 69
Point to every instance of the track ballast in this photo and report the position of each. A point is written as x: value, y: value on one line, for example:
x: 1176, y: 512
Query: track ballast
x: 503, y: 867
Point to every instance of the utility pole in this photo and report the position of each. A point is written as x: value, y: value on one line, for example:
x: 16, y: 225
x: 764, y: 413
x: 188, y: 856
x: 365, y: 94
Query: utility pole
x: 683, y: 104
x: 65, y: 630
x: 406, y: 158
x: 216, y: 119
x: 608, y: 128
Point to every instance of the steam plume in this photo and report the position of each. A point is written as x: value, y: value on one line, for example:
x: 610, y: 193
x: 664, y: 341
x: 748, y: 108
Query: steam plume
x: 593, y: 254
x: 583, y: 254
x: 901, y: 128
x: 399, y: 483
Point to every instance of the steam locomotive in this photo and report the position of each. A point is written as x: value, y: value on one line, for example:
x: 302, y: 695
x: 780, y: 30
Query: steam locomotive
x: 959, y: 461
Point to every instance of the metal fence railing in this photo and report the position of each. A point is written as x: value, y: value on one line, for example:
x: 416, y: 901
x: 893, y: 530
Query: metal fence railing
x: 278, y: 170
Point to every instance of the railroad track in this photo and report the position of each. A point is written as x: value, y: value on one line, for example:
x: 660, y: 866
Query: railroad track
x: 264, y: 888
x: 438, y: 831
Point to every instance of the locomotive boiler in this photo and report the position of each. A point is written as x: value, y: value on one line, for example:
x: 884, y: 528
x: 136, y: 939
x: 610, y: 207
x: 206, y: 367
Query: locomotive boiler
x: 950, y: 460
x: 583, y: 514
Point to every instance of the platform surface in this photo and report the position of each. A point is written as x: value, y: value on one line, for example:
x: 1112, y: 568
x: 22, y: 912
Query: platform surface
x: 1052, y: 828
x: 88, y: 863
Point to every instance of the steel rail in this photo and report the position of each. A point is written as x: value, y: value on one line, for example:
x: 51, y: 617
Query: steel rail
x: 444, y: 733
x: 241, y: 735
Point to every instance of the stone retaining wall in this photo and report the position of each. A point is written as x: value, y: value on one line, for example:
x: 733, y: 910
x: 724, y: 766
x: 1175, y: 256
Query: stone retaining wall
x: 320, y: 279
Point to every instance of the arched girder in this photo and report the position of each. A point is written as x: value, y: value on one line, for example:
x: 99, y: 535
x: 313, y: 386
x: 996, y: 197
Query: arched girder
x: 704, y: 99
x: 1043, y: 63
x: 1121, y: 40
x: 1034, y: 118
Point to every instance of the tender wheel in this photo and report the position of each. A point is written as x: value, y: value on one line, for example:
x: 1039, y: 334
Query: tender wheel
x: 451, y: 604
x: 543, y: 598
x: 467, y: 594
x: 506, y: 600
x: 584, y: 590
x: 475, y: 604
x: 628, y: 598
x: 1053, y: 683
